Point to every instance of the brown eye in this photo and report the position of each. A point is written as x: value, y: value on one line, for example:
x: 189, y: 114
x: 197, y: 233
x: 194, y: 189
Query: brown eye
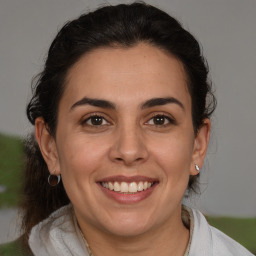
x: 96, y: 121
x: 160, y: 120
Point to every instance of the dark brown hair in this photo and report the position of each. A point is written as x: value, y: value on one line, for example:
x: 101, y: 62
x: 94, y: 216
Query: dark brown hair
x: 123, y: 26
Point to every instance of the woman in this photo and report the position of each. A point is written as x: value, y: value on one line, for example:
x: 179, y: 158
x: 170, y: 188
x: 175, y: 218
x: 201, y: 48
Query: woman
x: 122, y: 122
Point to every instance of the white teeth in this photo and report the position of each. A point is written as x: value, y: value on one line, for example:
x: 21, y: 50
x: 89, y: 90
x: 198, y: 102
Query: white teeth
x: 110, y: 186
x: 133, y: 187
x: 105, y: 184
x: 125, y: 187
x: 116, y: 186
x: 140, y: 186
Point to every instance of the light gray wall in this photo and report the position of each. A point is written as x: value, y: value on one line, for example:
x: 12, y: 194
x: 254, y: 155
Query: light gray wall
x: 227, y: 31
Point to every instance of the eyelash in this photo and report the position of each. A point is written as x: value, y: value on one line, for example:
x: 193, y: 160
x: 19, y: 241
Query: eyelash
x: 164, y: 118
x: 90, y: 118
x: 167, y: 118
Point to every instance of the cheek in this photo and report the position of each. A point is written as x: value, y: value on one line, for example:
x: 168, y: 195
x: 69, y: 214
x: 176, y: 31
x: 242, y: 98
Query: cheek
x: 174, y: 156
x: 79, y: 162
x: 79, y: 157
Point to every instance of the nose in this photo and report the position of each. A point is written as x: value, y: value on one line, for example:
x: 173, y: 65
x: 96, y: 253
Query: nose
x: 129, y: 147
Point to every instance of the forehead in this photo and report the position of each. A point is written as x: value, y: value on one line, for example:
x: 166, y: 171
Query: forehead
x: 125, y: 74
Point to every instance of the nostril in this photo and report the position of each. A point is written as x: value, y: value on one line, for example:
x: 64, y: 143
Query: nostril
x: 119, y: 159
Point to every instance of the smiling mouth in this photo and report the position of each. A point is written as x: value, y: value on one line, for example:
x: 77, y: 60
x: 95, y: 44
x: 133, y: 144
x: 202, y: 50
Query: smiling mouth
x: 127, y: 187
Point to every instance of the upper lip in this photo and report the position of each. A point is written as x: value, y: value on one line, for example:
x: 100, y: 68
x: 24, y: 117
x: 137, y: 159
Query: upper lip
x: 121, y: 178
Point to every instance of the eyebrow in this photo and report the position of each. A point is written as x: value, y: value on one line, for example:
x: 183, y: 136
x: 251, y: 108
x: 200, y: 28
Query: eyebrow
x: 109, y: 105
x: 161, y: 101
x: 94, y: 102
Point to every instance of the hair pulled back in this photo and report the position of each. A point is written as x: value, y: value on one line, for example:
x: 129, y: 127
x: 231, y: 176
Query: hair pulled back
x: 111, y: 26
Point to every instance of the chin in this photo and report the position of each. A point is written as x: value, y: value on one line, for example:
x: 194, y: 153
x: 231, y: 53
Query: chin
x: 128, y: 230
x: 128, y: 225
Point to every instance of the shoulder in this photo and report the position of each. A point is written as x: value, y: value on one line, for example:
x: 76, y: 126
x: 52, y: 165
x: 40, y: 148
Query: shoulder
x: 210, y: 241
x: 222, y: 242
x: 17, y: 248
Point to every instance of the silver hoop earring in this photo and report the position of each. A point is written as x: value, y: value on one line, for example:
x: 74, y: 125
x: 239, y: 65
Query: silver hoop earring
x: 197, y: 168
x: 53, y: 180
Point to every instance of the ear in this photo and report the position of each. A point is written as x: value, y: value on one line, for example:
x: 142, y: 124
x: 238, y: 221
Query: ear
x: 47, y: 146
x: 200, y: 146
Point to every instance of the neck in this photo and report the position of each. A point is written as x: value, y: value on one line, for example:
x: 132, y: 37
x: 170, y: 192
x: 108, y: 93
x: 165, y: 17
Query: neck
x: 170, y: 238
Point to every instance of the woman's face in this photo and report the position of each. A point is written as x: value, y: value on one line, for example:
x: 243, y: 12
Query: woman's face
x: 125, y: 144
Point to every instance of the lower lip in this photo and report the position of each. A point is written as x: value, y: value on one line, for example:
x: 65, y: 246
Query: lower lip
x: 128, y: 198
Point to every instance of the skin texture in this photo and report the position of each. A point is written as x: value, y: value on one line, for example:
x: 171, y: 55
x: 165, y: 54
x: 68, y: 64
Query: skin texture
x: 127, y: 142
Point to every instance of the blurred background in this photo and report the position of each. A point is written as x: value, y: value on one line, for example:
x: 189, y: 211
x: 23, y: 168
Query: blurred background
x: 227, y: 32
